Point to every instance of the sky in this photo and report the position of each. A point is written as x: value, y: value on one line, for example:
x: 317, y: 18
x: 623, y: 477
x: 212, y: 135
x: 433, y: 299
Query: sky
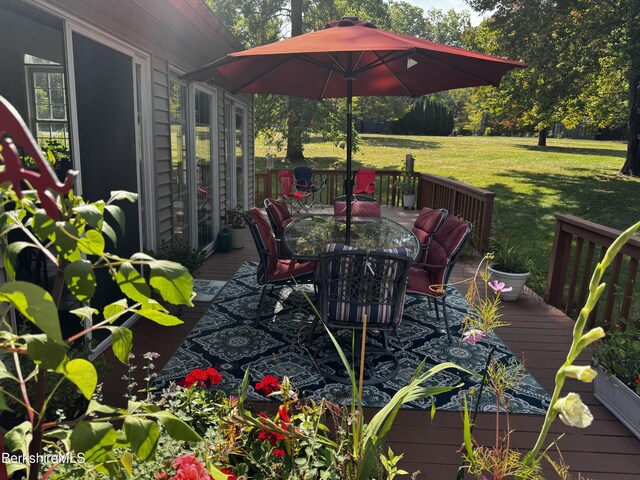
x: 446, y: 5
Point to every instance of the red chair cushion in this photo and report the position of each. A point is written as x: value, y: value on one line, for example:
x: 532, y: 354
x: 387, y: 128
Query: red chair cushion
x: 280, y: 213
x: 428, y: 220
x: 265, y: 237
x: 420, y: 281
x: 358, y: 209
x: 285, y: 269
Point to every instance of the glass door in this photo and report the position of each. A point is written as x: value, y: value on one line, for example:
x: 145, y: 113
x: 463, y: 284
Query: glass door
x: 179, y: 158
x: 236, y: 152
x: 203, y: 165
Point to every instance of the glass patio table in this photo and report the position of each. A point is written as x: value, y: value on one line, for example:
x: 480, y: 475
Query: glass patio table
x: 306, y: 237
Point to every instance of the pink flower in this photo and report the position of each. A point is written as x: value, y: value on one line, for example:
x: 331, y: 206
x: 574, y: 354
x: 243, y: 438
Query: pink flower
x: 472, y: 336
x: 498, y: 287
x: 188, y: 468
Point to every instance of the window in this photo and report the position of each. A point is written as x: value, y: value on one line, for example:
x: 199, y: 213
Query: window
x: 48, y: 100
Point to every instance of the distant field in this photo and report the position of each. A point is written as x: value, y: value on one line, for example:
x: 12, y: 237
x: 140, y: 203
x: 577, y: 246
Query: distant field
x: 532, y: 184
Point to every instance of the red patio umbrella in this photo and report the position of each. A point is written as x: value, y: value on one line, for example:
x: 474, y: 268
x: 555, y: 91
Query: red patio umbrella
x: 353, y: 58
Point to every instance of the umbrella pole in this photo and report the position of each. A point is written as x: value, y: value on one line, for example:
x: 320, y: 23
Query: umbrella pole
x: 348, y: 181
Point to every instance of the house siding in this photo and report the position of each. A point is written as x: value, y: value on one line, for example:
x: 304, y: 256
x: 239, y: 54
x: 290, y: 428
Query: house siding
x: 178, y: 36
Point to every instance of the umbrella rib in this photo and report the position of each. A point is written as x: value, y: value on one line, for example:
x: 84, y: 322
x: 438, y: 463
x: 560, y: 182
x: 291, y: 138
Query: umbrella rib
x: 384, y: 62
x: 382, y: 59
x: 448, y: 65
x: 326, y: 83
x: 262, y: 75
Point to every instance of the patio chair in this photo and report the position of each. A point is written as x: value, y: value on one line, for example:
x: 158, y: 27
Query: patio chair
x: 358, y: 209
x: 430, y: 278
x: 353, y: 283
x: 279, y: 217
x: 427, y: 223
x: 364, y: 182
x: 306, y: 184
x: 272, y: 270
x: 294, y: 198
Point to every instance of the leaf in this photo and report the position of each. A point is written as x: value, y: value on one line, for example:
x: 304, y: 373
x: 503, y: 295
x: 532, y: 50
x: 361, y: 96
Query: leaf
x: 90, y: 214
x: 122, y: 342
x: 96, y: 407
x: 10, y: 256
x: 85, y: 313
x: 43, y: 225
x: 118, y: 215
x: 159, y: 317
x: 110, y: 232
x: 80, y: 279
x: 18, y: 438
x: 132, y: 284
x: 92, y: 243
x: 94, y: 439
x: 172, y: 281
x: 44, y: 352
x: 112, y: 311
x: 176, y: 428
x: 83, y: 374
x: 66, y: 237
x: 35, y: 304
x: 127, y: 463
x: 3, y: 402
x: 122, y: 195
x: 433, y: 408
x: 143, y: 435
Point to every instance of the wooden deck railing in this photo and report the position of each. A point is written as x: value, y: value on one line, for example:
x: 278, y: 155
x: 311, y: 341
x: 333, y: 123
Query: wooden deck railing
x: 462, y: 200
x: 577, y: 247
x: 386, y: 191
x: 471, y: 203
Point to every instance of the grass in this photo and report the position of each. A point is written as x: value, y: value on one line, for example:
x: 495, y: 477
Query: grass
x: 532, y: 184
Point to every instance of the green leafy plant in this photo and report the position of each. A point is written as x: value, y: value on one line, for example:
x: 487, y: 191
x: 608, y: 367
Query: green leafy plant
x: 619, y: 353
x: 74, y: 243
x: 507, y: 258
x: 234, y: 217
x: 179, y: 251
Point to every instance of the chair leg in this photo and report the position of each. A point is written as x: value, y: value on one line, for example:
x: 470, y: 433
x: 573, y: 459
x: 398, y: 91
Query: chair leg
x: 313, y: 329
x: 444, y: 313
x: 259, y: 312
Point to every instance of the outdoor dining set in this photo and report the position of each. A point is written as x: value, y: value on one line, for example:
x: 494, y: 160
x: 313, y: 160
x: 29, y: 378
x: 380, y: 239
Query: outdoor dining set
x: 359, y: 284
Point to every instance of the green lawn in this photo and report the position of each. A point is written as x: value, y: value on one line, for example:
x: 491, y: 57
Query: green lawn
x: 578, y: 177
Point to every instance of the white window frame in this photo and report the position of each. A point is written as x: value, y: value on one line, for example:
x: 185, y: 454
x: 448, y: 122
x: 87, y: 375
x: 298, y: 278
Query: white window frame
x: 231, y: 159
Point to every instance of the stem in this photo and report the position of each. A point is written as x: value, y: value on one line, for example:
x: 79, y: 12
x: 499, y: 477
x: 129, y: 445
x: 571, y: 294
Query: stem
x: 23, y: 387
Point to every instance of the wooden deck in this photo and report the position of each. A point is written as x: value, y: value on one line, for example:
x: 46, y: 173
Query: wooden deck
x: 540, y: 334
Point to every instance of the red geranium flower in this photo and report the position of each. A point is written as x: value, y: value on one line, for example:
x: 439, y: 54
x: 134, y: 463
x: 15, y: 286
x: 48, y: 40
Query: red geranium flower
x: 188, y: 468
x: 284, y: 416
x: 279, y: 452
x: 202, y: 378
x: 230, y: 474
x: 638, y: 380
x: 268, y: 385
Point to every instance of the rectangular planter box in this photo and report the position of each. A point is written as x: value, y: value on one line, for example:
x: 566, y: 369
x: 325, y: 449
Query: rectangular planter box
x: 619, y: 400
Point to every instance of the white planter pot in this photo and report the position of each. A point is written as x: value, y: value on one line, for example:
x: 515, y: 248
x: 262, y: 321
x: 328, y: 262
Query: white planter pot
x: 619, y: 400
x: 408, y: 201
x: 513, y: 280
x: 237, y: 237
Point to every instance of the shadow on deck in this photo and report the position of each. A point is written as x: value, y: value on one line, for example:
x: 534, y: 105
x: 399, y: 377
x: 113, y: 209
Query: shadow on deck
x: 538, y: 333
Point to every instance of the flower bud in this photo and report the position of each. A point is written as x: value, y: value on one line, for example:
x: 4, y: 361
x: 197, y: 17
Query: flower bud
x: 583, y: 373
x: 573, y: 412
x: 592, y: 336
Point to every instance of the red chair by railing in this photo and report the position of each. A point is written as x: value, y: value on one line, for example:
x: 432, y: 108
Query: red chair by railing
x: 425, y: 227
x: 365, y: 182
x: 431, y: 278
x: 295, y: 198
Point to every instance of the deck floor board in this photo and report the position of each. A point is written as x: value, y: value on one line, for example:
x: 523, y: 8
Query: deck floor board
x: 606, y: 450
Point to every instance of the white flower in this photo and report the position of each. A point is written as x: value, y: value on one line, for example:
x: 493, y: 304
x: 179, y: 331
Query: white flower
x: 591, y: 336
x: 573, y: 412
x: 583, y: 373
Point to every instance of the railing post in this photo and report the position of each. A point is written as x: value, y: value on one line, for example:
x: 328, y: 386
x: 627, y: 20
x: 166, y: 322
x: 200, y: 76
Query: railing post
x: 559, y: 262
x: 487, y: 219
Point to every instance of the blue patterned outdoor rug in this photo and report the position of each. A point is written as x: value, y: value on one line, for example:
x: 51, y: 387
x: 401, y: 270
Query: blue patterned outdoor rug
x: 226, y: 339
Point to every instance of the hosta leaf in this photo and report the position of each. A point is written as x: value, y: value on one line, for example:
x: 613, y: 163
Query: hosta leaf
x: 143, y: 435
x: 92, y: 243
x: 83, y: 374
x: 132, y: 284
x: 80, y: 279
x: 172, y: 281
x: 35, y: 304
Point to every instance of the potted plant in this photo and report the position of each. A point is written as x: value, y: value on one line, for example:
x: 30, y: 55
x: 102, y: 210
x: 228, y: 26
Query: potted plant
x: 617, y: 387
x: 509, y: 266
x: 234, y: 220
x: 407, y: 185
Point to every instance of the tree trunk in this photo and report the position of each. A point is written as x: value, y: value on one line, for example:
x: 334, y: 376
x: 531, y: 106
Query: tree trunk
x: 632, y: 163
x: 294, y: 130
x: 542, y: 137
